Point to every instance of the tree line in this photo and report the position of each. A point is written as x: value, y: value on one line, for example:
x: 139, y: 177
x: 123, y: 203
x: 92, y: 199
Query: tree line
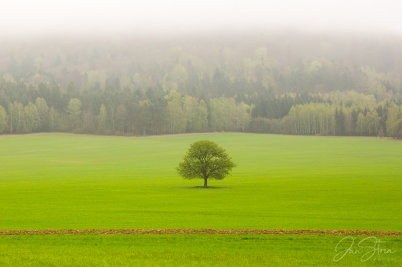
x: 270, y: 83
x: 159, y: 112
x: 135, y: 114
x: 331, y: 119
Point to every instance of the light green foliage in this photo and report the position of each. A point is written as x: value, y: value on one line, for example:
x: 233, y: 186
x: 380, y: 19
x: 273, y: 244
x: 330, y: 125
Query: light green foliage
x: 55, y: 181
x: 189, y: 106
x: 144, y: 115
x: 261, y: 67
x: 248, y: 68
x: 230, y: 60
x: 141, y: 81
x: 43, y: 113
x: 11, y: 116
x: 313, y: 118
x: 226, y: 115
x: 95, y: 77
x: 229, y: 113
x: 196, y: 114
x: 3, y: 119
x: 372, y: 122
x: 121, y: 112
x: 53, y: 119
x: 9, y: 78
x: 397, y: 129
x: 175, y: 79
x: 319, y: 119
x: 102, y: 117
x: 175, y: 115
x: 16, y: 117
x: 216, y: 106
x: 125, y: 82
x: 243, y: 115
x: 200, y: 119
x: 314, y: 66
x: 31, y: 118
x: 223, y: 114
x: 197, y: 63
x: 27, y: 119
x: 205, y: 160
x: 374, y: 78
x: 360, y: 100
x: 361, y: 125
x: 394, y: 114
x: 74, y: 113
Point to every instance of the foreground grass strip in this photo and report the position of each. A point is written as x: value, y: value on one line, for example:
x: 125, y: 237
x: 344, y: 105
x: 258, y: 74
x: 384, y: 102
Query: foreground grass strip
x: 198, y: 231
x: 197, y: 250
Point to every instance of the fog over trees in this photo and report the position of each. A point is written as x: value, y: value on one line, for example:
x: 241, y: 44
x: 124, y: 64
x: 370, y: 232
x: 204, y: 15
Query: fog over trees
x: 288, y: 82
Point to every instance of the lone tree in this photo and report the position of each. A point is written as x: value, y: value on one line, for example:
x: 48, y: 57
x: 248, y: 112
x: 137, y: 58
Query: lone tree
x: 205, y: 160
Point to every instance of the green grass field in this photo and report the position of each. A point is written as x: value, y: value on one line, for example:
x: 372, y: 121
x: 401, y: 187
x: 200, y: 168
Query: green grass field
x: 57, y: 181
x: 187, y: 250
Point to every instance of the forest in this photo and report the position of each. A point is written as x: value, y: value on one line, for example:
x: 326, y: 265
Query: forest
x: 269, y: 82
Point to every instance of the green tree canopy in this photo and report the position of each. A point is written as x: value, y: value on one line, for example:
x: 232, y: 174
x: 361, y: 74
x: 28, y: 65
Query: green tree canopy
x: 205, y: 160
x: 74, y: 112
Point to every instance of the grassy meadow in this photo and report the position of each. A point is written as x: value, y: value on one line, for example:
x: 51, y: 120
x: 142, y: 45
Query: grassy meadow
x: 188, y: 250
x: 60, y: 181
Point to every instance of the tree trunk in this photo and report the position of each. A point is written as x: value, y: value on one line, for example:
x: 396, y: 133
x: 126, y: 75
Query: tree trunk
x: 205, y: 182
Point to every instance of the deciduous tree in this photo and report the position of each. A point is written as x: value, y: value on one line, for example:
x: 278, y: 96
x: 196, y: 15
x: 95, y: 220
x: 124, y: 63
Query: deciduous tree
x: 205, y: 160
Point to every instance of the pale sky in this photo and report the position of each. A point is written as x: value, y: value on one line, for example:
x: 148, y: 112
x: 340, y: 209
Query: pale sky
x: 37, y: 17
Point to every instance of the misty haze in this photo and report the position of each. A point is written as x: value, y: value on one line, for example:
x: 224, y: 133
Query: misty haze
x: 286, y: 82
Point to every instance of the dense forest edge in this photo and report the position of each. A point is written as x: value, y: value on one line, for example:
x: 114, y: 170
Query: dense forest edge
x: 282, y: 83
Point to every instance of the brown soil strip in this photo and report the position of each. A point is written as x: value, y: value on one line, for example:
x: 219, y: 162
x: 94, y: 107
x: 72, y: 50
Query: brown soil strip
x: 198, y: 231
